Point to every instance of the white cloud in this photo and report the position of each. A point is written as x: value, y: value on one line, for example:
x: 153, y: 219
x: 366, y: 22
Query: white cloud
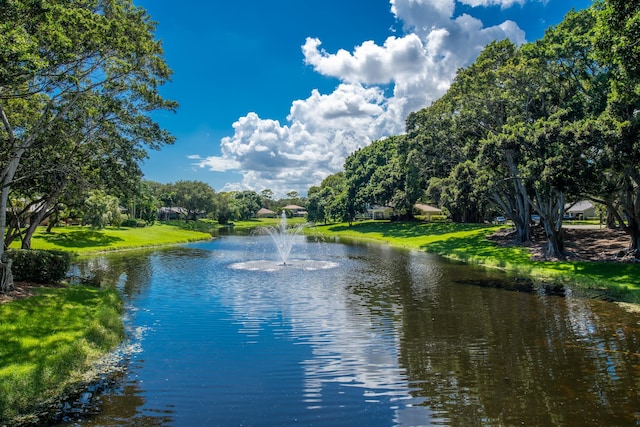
x: 504, y: 4
x: 380, y: 85
x: 369, y: 63
x: 323, y: 130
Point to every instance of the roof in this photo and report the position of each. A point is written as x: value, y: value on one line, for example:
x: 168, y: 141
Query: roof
x: 172, y: 209
x: 265, y: 211
x: 293, y: 207
x: 427, y: 208
x: 580, y: 206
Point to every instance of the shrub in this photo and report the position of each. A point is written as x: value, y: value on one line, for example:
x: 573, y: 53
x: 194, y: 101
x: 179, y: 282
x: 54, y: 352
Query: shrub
x: 39, y: 266
x: 131, y: 222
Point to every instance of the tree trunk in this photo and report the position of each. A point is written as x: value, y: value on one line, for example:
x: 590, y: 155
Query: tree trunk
x: 521, y: 202
x: 36, y: 219
x: 611, y: 222
x: 555, y: 243
x: 6, y: 278
x: 517, y: 210
x: 634, y: 232
x: 550, y: 206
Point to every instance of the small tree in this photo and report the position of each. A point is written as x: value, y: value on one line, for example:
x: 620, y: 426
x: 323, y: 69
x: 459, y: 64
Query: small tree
x: 102, y: 209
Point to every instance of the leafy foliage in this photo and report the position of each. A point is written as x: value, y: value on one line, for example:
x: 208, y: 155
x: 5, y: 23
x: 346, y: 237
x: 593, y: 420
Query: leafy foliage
x: 102, y: 209
x: 40, y: 266
x: 77, y: 83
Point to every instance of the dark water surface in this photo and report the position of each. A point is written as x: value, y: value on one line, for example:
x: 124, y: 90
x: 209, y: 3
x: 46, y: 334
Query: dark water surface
x: 382, y: 338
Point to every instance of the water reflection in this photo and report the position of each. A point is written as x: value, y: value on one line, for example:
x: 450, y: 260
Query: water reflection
x: 386, y: 337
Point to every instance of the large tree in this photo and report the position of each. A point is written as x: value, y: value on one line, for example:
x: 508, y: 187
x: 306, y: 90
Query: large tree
x: 197, y: 197
x: 329, y: 202
x: 380, y: 174
x: 617, y: 35
x: 447, y: 136
x: 56, y: 54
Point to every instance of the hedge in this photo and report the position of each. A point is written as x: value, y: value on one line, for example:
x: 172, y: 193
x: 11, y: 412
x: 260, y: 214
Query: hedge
x: 39, y: 266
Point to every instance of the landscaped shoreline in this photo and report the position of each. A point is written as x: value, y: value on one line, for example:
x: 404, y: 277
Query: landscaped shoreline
x: 470, y: 243
x: 63, y: 357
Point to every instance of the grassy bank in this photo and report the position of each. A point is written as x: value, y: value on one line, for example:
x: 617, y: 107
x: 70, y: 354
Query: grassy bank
x: 49, y: 342
x: 469, y: 243
x: 84, y: 240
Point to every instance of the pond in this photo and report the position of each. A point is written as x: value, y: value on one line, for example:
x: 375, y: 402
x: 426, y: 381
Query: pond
x: 369, y: 336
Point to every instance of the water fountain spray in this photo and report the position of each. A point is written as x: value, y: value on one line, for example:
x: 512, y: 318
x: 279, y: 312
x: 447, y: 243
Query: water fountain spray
x: 283, y: 237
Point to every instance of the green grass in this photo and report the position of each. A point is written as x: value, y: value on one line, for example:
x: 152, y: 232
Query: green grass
x: 469, y: 243
x: 85, y: 240
x: 264, y: 222
x: 47, y: 343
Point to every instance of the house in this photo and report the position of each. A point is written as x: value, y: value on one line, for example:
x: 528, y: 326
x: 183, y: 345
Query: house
x: 168, y: 213
x: 427, y: 210
x: 581, y: 210
x: 387, y: 212
x: 379, y: 212
x: 266, y: 213
x: 295, y: 210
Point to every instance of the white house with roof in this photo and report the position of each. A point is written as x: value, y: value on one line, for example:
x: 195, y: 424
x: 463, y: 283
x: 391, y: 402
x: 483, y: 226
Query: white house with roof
x: 581, y: 210
x: 266, y: 213
x: 427, y: 210
x: 295, y: 210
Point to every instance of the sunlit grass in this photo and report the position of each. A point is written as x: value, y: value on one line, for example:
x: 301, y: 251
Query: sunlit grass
x: 84, y: 240
x: 469, y: 243
x: 265, y: 222
x: 48, y: 341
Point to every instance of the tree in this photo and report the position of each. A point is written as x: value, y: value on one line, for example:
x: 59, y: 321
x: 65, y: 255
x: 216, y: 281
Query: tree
x: 448, y: 134
x: 56, y: 55
x: 460, y: 193
x: 332, y: 199
x: 267, y: 198
x: 101, y: 209
x: 197, y: 197
x: 616, y: 40
x: 247, y: 203
x: 227, y: 209
x: 147, y: 203
x: 559, y: 143
x: 378, y: 174
x: 315, y: 205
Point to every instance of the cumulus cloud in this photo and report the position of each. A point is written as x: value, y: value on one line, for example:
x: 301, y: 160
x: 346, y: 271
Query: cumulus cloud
x: 380, y: 85
x: 322, y: 131
x: 504, y: 4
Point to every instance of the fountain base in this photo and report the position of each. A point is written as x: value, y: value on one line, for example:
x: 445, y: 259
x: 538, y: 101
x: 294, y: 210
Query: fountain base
x: 293, y: 264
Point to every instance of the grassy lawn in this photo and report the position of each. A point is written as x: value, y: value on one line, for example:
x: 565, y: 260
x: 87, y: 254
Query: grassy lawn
x: 48, y: 342
x: 469, y: 243
x: 85, y: 240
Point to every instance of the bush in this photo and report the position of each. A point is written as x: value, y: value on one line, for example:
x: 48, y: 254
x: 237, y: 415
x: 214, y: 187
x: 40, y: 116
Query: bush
x: 39, y: 266
x: 131, y: 222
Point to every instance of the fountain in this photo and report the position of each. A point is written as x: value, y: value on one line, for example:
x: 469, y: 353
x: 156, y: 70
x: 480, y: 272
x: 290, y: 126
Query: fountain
x: 283, y: 238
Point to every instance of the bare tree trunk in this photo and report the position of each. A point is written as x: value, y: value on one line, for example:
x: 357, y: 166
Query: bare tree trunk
x: 6, y: 277
x: 45, y: 211
x: 633, y: 230
x: 6, y: 178
x: 550, y: 207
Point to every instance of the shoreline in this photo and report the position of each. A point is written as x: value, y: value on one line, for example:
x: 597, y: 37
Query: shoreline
x: 104, y: 372
x: 617, y: 280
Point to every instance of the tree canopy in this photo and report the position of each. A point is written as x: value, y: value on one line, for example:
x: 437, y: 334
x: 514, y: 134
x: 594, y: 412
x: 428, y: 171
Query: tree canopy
x: 78, y: 80
x: 524, y: 130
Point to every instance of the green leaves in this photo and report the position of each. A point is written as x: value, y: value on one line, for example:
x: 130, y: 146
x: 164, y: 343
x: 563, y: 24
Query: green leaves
x: 78, y: 79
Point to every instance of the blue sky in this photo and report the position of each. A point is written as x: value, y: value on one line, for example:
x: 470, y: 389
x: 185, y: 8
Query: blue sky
x: 275, y: 94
